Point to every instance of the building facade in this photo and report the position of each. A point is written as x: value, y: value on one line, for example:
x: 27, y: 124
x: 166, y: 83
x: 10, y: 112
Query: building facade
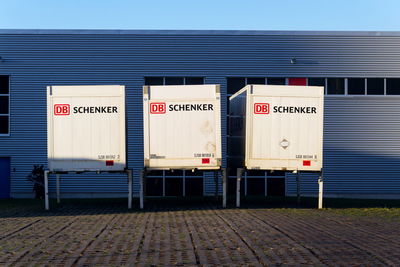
x: 360, y: 72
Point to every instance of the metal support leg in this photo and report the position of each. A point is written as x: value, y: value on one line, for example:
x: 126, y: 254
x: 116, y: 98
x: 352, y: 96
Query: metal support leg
x: 129, y: 172
x: 163, y: 183
x: 265, y: 184
x: 239, y: 173
x: 142, y: 189
x: 58, y: 187
x: 298, y: 186
x: 320, y: 191
x: 224, y: 187
x: 46, y: 190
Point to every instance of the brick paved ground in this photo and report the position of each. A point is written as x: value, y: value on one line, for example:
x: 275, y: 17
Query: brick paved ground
x: 106, y: 234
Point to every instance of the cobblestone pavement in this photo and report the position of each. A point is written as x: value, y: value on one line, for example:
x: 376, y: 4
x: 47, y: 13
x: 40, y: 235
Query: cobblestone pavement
x: 109, y: 235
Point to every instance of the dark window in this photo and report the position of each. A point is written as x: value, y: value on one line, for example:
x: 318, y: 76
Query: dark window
x: 393, y: 86
x: 4, y: 85
x: 335, y: 86
x: 173, y: 186
x: 375, y: 86
x: 255, y: 80
x: 173, y: 80
x: 154, y: 81
x: 174, y: 173
x: 193, y: 173
x: 154, y: 173
x: 154, y: 186
x: 4, y: 125
x: 194, y: 187
x: 276, y: 81
x: 356, y: 86
x: 235, y: 84
x: 3, y: 104
x: 316, y: 81
x: 276, y: 186
x: 194, y: 80
x: 256, y: 186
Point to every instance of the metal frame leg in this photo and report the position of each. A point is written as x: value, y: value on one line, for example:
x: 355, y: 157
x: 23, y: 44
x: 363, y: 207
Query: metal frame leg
x: 129, y: 173
x: 224, y: 187
x: 320, y: 192
x: 58, y: 187
x: 239, y: 173
x: 46, y: 189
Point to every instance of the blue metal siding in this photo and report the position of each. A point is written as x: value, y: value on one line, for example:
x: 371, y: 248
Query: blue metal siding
x: 360, y: 146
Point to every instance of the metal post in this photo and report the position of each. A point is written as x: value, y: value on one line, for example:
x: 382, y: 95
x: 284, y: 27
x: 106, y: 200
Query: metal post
x: 239, y: 173
x: 224, y: 187
x: 320, y: 191
x: 129, y: 172
x: 298, y: 186
x: 46, y: 190
x: 265, y: 183
x: 58, y: 187
x: 163, y: 183
x: 141, y: 193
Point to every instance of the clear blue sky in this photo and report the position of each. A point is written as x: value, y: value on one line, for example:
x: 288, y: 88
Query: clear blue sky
x: 369, y: 15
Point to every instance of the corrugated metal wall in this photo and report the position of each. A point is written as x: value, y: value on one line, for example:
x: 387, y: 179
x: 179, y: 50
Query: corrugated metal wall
x: 361, y: 151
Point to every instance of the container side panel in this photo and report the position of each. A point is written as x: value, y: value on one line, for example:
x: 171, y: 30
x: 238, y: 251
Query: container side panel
x: 88, y: 132
x: 286, y: 131
x: 184, y: 132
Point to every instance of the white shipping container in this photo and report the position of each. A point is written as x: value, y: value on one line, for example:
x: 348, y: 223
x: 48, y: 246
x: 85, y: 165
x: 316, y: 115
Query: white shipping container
x: 277, y: 127
x: 86, y: 128
x: 182, y: 127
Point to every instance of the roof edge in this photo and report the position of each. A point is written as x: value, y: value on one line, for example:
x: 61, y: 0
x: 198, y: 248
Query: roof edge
x: 199, y: 32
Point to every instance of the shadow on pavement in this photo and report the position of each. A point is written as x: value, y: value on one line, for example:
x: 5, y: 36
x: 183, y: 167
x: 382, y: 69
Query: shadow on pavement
x: 72, y: 207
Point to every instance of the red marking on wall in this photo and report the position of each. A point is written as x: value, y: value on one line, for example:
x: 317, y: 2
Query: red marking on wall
x: 297, y: 81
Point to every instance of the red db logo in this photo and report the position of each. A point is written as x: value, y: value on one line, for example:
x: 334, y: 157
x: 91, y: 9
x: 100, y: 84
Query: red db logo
x: 157, y: 108
x: 261, y: 108
x: 61, y: 109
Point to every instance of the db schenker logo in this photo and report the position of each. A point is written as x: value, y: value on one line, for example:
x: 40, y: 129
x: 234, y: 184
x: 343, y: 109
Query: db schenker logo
x: 261, y: 108
x: 61, y: 109
x: 157, y: 108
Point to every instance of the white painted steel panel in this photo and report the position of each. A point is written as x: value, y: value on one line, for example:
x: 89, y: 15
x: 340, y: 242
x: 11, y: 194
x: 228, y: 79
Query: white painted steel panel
x: 283, y: 126
x: 182, y: 127
x: 86, y: 128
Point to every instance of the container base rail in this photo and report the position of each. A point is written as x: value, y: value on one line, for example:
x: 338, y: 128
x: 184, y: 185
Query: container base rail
x: 241, y: 171
x: 143, y: 175
x: 47, y: 173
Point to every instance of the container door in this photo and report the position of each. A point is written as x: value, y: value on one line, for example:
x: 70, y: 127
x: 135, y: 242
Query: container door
x: 183, y: 138
x: 4, y: 177
x: 281, y: 137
